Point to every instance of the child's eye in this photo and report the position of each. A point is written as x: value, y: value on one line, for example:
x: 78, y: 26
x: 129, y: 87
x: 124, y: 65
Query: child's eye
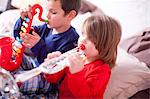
x: 54, y: 12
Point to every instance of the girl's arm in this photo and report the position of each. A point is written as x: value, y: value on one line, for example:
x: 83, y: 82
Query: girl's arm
x: 55, y: 78
x: 89, y: 82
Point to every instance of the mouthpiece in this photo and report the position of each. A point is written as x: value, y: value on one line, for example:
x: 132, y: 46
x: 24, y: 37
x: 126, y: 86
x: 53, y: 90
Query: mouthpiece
x: 82, y: 47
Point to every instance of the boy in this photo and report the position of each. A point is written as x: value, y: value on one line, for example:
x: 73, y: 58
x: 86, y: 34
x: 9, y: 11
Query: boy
x: 56, y: 35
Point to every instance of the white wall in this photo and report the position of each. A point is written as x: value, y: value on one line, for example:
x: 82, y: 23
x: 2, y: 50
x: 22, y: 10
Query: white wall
x: 134, y: 15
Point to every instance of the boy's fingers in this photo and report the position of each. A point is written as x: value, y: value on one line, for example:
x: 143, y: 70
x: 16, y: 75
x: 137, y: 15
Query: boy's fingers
x: 25, y: 36
x: 29, y: 15
x: 22, y: 13
x: 28, y: 45
x: 29, y: 6
x: 29, y: 11
x: 28, y: 36
x: 34, y: 33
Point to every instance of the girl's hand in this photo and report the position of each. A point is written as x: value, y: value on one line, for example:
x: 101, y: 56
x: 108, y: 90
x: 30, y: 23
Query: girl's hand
x: 53, y: 55
x: 30, y: 40
x: 75, y: 63
x: 26, y: 12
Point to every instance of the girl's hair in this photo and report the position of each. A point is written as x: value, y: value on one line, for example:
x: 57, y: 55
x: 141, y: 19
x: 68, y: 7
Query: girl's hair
x: 69, y: 5
x: 105, y: 33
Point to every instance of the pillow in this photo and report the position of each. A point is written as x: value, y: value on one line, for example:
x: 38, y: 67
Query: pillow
x: 7, y: 22
x: 25, y: 3
x: 128, y: 77
x: 3, y: 5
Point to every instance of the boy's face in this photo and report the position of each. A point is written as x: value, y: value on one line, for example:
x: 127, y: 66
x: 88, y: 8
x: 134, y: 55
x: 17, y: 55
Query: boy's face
x: 56, y: 14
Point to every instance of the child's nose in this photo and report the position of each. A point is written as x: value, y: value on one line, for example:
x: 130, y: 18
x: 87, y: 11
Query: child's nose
x: 48, y: 16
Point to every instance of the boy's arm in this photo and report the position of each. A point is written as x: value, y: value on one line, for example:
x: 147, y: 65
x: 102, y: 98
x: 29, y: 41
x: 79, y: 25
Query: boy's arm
x: 40, y: 46
x: 41, y: 49
x: 17, y: 28
x: 68, y: 46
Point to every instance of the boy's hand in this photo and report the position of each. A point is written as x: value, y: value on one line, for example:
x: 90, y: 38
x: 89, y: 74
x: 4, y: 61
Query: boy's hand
x: 30, y: 40
x: 26, y: 12
x: 75, y: 63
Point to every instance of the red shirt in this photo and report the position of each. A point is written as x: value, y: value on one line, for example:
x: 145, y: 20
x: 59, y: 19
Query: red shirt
x: 90, y: 83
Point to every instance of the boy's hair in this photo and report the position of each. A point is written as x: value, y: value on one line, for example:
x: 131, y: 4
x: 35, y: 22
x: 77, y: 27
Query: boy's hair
x: 105, y: 33
x: 69, y: 5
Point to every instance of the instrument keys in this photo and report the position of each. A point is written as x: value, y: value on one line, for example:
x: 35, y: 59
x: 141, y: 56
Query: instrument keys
x: 23, y: 29
x: 27, y: 19
x: 25, y: 24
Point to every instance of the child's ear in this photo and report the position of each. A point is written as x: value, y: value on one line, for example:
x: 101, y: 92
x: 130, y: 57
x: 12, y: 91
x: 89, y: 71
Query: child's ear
x: 72, y: 14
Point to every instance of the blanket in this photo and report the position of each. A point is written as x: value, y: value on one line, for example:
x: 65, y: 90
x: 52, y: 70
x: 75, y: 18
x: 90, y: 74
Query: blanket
x: 139, y: 46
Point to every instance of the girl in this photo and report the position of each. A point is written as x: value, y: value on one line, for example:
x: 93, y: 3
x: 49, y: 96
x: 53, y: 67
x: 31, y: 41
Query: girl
x: 88, y: 78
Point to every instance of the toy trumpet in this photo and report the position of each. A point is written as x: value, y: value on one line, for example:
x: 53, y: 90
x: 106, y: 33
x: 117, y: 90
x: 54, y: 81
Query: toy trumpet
x: 52, y: 66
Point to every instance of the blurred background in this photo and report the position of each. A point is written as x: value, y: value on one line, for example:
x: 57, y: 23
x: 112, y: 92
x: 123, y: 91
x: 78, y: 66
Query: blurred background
x: 134, y: 15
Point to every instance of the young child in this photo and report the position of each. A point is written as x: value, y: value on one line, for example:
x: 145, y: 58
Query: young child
x: 56, y: 35
x: 87, y: 78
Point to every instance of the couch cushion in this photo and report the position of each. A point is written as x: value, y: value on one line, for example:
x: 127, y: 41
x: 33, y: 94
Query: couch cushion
x: 128, y: 77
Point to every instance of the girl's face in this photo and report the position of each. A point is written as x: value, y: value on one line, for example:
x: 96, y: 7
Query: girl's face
x: 56, y: 15
x: 90, y: 50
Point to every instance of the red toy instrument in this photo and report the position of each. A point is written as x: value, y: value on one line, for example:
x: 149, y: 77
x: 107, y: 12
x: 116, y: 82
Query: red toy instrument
x: 9, y: 61
x: 11, y: 51
x: 27, y: 22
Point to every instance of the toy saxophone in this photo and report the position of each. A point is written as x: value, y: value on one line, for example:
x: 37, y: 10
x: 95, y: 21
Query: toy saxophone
x: 11, y: 50
x: 52, y: 66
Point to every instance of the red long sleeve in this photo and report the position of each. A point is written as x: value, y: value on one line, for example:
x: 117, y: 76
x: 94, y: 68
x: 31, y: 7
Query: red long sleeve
x: 54, y: 78
x: 89, y: 83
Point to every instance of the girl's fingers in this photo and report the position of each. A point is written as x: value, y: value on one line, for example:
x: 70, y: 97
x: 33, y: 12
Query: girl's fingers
x: 53, y: 54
